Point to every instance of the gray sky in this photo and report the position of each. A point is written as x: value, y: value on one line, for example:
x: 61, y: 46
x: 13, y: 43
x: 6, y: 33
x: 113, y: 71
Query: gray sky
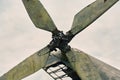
x: 19, y: 38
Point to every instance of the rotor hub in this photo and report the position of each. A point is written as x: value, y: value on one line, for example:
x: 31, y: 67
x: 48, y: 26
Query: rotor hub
x: 60, y: 41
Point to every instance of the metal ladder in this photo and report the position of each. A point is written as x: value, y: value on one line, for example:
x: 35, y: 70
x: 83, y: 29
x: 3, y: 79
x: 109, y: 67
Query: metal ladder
x: 59, y: 71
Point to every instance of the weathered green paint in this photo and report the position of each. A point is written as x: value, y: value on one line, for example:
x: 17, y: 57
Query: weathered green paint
x: 89, y: 14
x: 106, y: 71
x: 28, y: 66
x: 3, y: 78
x: 82, y: 64
x: 39, y: 15
x: 87, y: 67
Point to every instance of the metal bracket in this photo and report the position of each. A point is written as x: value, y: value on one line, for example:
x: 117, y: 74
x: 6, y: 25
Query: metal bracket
x: 60, y: 41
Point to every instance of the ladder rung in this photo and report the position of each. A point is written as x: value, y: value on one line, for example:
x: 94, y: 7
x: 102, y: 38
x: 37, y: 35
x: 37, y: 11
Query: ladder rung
x: 57, y: 72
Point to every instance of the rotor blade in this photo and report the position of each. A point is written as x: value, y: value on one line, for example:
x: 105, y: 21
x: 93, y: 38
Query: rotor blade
x: 39, y: 15
x: 28, y: 66
x: 82, y: 65
x: 89, y: 14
